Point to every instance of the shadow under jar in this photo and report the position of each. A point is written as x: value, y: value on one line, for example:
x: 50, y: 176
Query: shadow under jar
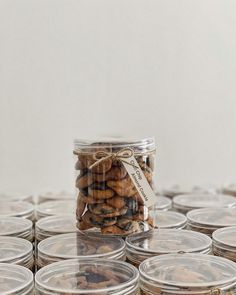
x: 187, y: 274
x: 15, y: 280
x: 76, y: 246
x: 108, y: 200
x: 86, y: 276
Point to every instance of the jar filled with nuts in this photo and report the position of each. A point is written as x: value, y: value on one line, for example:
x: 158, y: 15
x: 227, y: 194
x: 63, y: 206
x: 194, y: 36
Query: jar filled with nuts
x: 187, y: 274
x: 86, y: 276
x: 157, y: 242
x: 77, y: 245
x: 15, y: 280
x: 114, y: 181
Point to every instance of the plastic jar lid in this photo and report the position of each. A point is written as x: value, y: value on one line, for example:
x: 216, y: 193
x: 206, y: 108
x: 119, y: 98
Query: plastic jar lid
x: 16, y: 251
x: 157, y: 242
x: 77, y: 245
x: 55, y: 208
x: 51, y: 196
x: 54, y: 225
x: 86, y: 276
x: 176, y: 190
x: 186, y: 202
x: 15, y: 279
x: 168, y: 219
x: 15, y: 197
x: 16, y: 227
x: 230, y: 189
x: 17, y: 209
x: 224, y: 242
x: 187, y: 274
x: 163, y: 203
x: 208, y: 220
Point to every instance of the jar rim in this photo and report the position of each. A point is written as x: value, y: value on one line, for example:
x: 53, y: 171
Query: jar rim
x: 49, y: 205
x: 179, y: 223
x: 50, y: 270
x: 27, y: 208
x: 219, y: 241
x: 26, y: 225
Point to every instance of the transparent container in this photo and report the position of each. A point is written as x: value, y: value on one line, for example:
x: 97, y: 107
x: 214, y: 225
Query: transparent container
x: 54, y: 225
x: 187, y: 274
x: 17, y: 209
x: 107, y: 197
x: 16, y: 197
x: 224, y: 242
x: 86, y: 276
x: 163, y: 203
x: 16, y: 227
x: 186, y: 203
x: 207, y: 220
x: 168, y: 219
x: 16, y: 251
x: 175, y: 190
x: 229, y: 189
x: 15, y: 280
x: 51, y: 208
x: 165, y: 241
x: 55, y: 196
x: 77, y: 245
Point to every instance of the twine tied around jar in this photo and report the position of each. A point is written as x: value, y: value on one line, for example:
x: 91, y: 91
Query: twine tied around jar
x: 215, y: 291
x: 121, y: 155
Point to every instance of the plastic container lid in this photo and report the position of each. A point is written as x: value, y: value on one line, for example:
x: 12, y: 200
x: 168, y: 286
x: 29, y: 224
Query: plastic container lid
x: 176, y: 190
x: 54, y: 225
x: 187, y: 274
x: 187, y: 202
x: 77, y: 245
x: 52, y: 196
x: 168, y: 219
x: 17, y: 227
x: 15, y: 197
x: 55, y: 208
x: 212, y: 217
x: 163, y: 203
x: 16, y: 209
x: 16, y: 251
x: 224, y: 242
x: 15, y: 279
x: 165, y: 241
x: 86, y: 276
x: 230, y: 189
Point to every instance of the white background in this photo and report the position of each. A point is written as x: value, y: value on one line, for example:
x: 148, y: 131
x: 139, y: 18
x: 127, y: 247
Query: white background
x: 78, y: 68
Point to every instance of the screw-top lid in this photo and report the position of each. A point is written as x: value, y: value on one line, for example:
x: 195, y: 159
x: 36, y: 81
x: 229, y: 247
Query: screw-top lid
x: 175, y: 190
x: 168, y: 219
x: 88, y: 276
x: 169, y: 241
x: 163, y: 203
x: 16, y: 209
x: 55, y: 196
x: 15, y: 197
x: 13, y: 250
x: 225, y: 238
x: 188, y: 272
x: 188, y: 202
x: 212, y: 217
x: 77, y: 245
x: 230, y: 189
x: 14, y: 226
x: 15, y: 279
x: 55, y: 208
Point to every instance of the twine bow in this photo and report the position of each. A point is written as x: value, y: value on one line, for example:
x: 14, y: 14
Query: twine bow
x: 121, y: 155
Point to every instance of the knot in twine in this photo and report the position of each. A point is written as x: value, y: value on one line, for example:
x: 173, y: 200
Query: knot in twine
x: 121, y: 155
x: 216, y: 291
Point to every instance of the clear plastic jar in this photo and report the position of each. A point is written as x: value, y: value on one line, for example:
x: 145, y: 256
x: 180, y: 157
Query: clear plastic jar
x: 51, y: 208
x: 186, y: 203
x: 229, y: 189
x: 224, y: 242
x: 168, y: 219
x: 16, y: 197
x: 16, y: 227
x: 165, y: 241
x: 163, y: 203
x: 77, y: 245
x: 17, y: 209
x: 52, y: 196
x: 86, y: 276
x: 175, y: 190
x: 16, y: 280
x: 187, y: 274
x: 16, y: 251
x: 54, y: 225
x: 107, y: 196
x: 208, y: 220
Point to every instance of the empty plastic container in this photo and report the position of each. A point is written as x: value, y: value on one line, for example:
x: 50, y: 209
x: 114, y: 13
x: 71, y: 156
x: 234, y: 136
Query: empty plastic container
x: 16, y: 227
